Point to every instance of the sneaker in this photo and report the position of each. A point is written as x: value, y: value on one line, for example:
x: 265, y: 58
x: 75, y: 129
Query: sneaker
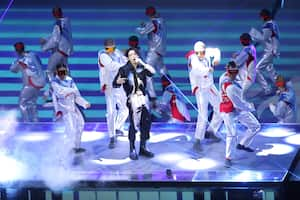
x: 111, y: 144
x: 207, y: 134
x: 197, y: 146
x: 119, y: 133
x: 133, y: 155
x: 79, y: 150
x: 242, y: 147
x: 146, y: 153
x: 227, y: 163
x: 214, y: 138
x: 153, y: 104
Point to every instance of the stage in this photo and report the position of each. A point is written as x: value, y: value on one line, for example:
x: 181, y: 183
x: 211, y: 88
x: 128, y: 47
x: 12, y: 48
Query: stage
x: 37, y: 156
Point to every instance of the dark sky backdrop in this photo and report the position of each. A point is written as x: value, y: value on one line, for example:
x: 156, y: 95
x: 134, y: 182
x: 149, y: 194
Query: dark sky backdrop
x: 213, y: 4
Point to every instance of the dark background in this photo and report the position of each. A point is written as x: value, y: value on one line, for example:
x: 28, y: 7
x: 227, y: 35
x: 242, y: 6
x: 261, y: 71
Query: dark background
x: 196, y: 4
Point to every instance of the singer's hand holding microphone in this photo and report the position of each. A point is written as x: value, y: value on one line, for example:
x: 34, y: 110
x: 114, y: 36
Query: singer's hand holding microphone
x: 147, y: 66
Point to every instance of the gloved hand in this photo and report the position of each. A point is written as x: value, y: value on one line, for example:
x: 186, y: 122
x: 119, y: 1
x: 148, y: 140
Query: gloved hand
x: 58, y: 115
x: 272, y: 107
x: 103, y: 88
x: 251, y: 107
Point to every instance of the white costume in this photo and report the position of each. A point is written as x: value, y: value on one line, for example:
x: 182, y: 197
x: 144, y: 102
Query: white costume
x: 233, y: 108
x: 156, y: 34
x: 285, y: 109
x: 202, y: 84
x: 65, y: 97
x: 60, y: 43
x: 173, y: 101
x: 246, y: 62
x: 109, y: 65
x: 33, y: 80
x: 269, y: 38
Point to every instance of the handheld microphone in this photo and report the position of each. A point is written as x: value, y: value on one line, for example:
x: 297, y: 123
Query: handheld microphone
x: 139, y: 60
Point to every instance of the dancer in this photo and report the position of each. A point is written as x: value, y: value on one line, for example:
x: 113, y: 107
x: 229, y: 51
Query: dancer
x: 65, y: 97
x: 110, y: 59
x: 156, y: 33
x: 202, y: 84
x: 285, y: 108
x: 132, y: 77
x: 246, y: 62
x: 33, y: 78
x: 233, y: 108
x: 133, y: 42
x: 59, y: 43
x: 172, y: 102
x: 269, y: 38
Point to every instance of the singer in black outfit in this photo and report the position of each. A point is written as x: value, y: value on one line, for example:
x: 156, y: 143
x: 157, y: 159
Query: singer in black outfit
x: 133, y: 76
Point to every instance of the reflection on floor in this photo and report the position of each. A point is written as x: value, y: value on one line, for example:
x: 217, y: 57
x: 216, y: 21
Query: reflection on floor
x: 39, y: 153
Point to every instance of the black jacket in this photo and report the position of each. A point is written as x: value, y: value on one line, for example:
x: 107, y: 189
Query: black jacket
x: 128, y: 71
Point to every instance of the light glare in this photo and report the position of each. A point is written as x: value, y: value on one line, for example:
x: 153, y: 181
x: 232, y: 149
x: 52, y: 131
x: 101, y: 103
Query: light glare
x: 104, y: 161
x: 276, y: 149
x: 89, y: 136
x: 293, y: 139
x: 277, y: 132
x: 34, y: 137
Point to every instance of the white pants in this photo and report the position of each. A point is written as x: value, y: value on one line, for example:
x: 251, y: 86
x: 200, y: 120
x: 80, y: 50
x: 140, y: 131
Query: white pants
x: 28, y: 103
x: 246, y: 77
x: 203, y: 98
x: 116, y: 109
x: 157, y: 62
x: 266, y: 64
x: 245, y: 118
x: 74, y: 124
x: 137, y: 101
x: 55, y: 59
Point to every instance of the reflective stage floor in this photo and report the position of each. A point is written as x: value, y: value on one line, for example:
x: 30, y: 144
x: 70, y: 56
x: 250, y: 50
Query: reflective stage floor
x: 37, y: 155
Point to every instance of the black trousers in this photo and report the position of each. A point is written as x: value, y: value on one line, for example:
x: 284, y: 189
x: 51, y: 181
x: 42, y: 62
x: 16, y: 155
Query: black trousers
x: 145, y: 125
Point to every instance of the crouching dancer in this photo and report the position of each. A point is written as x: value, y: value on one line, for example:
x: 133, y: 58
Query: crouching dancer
x: 233, y: 108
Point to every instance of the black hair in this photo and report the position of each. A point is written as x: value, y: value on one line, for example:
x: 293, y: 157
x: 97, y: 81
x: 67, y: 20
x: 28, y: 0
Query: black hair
x: 150, y: 11
x: 133, y: 38
x: 19, y: 47
x: 57, y: 9
x: 132, y: 49
x: 230, y: 65
x: 61, y: 65
x: 109, y: 42
x: 265, y: 13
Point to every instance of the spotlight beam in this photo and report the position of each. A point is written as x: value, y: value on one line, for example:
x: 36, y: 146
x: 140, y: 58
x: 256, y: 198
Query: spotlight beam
x: 6, y: 10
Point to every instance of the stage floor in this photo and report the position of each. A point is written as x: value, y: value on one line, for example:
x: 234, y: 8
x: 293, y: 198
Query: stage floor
x: 37, y: 155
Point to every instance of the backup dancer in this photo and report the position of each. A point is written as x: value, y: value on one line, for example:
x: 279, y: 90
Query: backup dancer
x: 269, y: 38
x: 285, y: 109
x: 202, y: 85
x: 33, y: 78
x: 110, y: 59
x: 155, y: 31
x: 246, y: 62
x: 233, y: 108
x: 66, y: 97
x: 59, y: 43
